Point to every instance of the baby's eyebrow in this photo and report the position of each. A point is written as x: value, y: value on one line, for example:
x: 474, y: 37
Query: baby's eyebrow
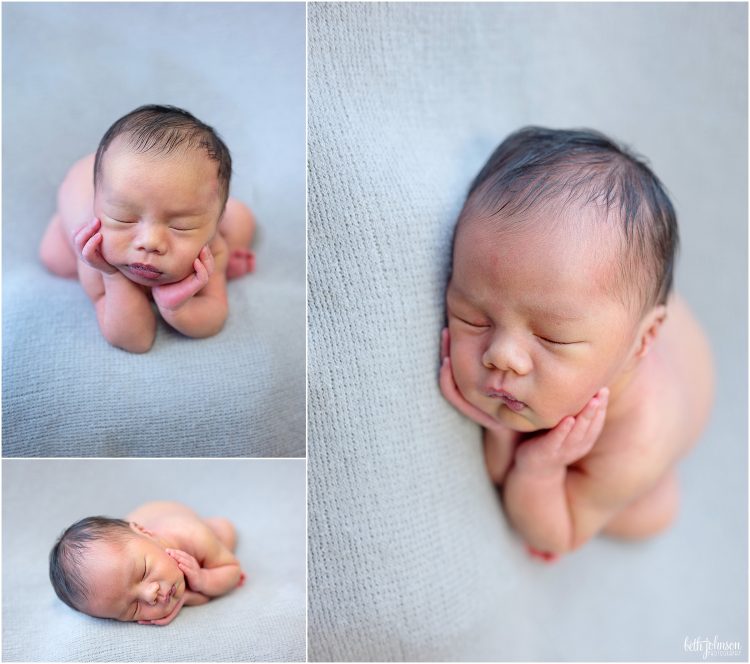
x: 562, y: 316
x: 118, y: 203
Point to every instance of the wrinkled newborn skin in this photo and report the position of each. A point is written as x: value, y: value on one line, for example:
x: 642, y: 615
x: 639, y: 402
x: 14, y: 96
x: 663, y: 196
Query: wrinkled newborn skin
x: 153, y: 229
x: 174, y: 559
x: 586, y: 405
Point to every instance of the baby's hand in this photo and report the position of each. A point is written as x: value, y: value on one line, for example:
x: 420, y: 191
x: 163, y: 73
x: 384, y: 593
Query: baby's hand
x: 451, y: 392
x: 172, y: 296
x: 166, y: 619
x: 569, y: 441
x: 189, y: 567
x: 87, y: 241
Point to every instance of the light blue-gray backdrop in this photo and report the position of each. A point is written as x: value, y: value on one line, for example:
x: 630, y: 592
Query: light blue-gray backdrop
x: 69, y: 71
x: 411, y: 557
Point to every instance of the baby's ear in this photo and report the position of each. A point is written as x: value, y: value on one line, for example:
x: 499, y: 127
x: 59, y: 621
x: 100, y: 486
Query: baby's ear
x: 650, y: 327
x: 138, y: 528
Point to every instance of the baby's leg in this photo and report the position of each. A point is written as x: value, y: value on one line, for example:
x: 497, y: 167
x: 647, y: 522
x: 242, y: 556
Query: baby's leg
x: 75, y: 207
x: 224, y: 530
x: 650, y: 514
x: 237, y: 227
x: 55, y: 252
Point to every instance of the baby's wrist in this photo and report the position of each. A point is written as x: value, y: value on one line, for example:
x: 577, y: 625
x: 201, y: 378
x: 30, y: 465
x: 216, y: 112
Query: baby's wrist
x: 114, y: 276
x: 538, y: 469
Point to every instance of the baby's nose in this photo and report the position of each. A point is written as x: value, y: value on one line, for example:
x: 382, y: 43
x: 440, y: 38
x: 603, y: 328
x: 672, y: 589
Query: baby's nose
x: 150, y: 238
x: 507, y: 354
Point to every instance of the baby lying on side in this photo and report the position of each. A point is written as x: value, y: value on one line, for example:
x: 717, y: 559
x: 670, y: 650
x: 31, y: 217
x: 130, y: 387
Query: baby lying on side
x: 149, y: 217
x: 565, y: 341
x: 147, y: 567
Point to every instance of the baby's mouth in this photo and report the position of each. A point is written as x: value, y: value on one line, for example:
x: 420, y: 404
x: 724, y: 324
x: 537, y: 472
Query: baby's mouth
x: 144, y: 270
x: 514, y: 404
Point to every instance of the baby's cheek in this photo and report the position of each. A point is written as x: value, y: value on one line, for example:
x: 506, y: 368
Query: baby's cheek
x: 466, y: 376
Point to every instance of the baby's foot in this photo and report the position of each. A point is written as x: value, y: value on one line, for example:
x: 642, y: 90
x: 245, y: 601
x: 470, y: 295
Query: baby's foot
x: 546, y: 556
x: 241, y: 262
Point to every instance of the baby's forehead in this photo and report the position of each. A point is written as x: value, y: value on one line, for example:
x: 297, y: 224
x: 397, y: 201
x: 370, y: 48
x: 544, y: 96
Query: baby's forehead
x: 122, y: 147
x: 570, y: 230
x: 578, y: 248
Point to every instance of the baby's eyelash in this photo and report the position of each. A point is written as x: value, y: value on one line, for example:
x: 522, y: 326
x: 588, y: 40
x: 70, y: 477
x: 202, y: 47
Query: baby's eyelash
x: 558, y: 343
x: 463, y: 320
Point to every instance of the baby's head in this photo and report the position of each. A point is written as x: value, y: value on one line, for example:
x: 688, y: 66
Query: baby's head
x: 161, y: 181
x: 562, y: 264
x: 109, y: 568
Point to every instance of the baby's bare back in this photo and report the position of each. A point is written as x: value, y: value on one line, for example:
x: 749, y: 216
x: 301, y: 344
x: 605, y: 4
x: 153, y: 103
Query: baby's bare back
x: 177, y: 525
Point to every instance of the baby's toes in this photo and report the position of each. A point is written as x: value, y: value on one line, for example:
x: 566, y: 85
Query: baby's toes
x: 241, y: 262
x: 546, y: 556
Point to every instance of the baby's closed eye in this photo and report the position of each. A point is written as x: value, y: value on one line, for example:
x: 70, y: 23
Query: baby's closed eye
x: 472, y: 322
x: 557, y: 343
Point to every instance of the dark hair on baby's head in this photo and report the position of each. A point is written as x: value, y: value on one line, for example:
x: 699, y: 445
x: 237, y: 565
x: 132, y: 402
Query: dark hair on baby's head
x: 66, y: 560
x: 163, y: 129
x: 535, y: 167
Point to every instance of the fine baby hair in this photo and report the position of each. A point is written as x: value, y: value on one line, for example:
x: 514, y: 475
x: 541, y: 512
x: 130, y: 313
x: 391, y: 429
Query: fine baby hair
x: 162, y: 130
x: 536, y: 169
x: 66, y: 560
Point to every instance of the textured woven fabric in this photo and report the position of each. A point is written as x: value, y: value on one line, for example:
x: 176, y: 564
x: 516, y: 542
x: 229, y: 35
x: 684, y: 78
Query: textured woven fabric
x: 66, y: 392
x: 410, y: 555
x: 264, y: 620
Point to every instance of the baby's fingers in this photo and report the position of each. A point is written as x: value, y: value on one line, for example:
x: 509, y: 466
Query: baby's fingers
x: 451, y: 393
x: 83, y: 234
x: 208, y: 259
x: 201, y: 273
x: 178, y: 555
x: 445, y: 343
x: 588, y: 424
x: 90, y: 250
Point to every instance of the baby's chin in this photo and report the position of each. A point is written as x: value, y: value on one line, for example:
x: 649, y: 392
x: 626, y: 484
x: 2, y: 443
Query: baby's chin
x: 527, y: 421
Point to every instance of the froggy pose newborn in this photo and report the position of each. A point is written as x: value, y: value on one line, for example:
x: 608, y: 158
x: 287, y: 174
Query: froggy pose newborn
x: 149, y: 216
x: 147, y: 567
x: 565, y: 341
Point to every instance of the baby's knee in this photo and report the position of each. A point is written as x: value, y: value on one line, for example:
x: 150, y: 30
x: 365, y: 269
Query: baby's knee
x: 223, y: 529
x: 237, y: 223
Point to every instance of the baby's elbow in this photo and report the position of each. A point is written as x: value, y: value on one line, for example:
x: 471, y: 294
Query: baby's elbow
x: 132, y: 343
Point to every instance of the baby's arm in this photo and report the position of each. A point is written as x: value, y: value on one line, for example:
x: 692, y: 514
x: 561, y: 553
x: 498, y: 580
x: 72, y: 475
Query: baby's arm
x: 197, y: 306
x: 557, y: 507
x: 213, y: 580
x: 122, y: 308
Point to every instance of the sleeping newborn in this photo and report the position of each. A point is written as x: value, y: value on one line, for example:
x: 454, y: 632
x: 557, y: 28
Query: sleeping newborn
x: 566, y: 342
x: 149, y: 217
x: 145, y: 568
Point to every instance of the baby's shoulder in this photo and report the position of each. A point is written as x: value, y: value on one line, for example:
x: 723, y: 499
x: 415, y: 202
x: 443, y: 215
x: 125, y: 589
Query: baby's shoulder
x: 639, y: 442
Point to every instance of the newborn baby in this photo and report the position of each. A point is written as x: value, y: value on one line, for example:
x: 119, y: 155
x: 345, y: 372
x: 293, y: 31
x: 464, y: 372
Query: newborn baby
x: 149, y: 216
x: 146, y: 568
x: 565, y: 341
